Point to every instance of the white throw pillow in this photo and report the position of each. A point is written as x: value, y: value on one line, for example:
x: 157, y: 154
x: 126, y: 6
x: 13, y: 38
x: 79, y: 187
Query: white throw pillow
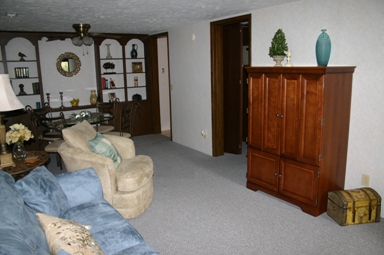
x: 78, y: 135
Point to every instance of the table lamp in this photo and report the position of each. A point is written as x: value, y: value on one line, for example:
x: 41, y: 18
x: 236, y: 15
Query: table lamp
x: 8, y: 102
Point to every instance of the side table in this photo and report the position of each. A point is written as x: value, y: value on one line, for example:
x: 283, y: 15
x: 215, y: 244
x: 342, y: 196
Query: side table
x: 23, y: 168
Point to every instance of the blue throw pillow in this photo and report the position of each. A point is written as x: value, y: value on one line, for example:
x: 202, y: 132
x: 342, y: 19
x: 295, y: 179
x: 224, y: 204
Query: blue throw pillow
x: 101, y: 145
x: 42, y: 192
x: 17, y: 222
x: 85, y: 182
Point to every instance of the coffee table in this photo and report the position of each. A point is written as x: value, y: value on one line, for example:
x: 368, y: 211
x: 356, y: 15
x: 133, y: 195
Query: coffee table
x: 23, y: 168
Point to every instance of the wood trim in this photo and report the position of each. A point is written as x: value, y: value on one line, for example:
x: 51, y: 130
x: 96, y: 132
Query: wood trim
x: 217, y: 97
x: 153, y: 80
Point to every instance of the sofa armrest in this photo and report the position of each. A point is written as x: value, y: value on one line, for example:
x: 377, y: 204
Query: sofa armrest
x: 80, y: 186
x: 123, y: 145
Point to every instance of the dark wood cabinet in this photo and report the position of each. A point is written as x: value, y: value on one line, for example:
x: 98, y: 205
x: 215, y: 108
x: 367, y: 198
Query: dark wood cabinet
x: 298, y: 132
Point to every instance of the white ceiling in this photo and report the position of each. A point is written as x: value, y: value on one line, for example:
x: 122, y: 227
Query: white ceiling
x: 119, y: 16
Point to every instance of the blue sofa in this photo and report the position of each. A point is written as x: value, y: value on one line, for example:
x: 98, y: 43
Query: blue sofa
x: 75, y: 196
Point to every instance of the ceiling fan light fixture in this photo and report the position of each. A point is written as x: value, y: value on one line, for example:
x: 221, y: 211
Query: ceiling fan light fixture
x: 77, y: 41
x: 87, y: 40
x: 82, y: 38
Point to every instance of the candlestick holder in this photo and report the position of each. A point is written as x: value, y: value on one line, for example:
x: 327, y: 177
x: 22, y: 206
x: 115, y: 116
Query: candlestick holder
x: 61, y: 99
x: 49, y: 104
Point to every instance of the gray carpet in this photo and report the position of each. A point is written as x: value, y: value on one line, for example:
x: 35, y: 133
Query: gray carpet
x: 201, y: 206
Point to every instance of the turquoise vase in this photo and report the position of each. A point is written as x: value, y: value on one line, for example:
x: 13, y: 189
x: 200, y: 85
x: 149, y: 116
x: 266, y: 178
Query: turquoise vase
x: 323, y: 48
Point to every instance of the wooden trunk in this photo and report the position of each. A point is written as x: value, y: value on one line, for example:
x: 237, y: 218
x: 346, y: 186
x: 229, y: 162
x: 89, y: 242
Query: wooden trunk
x: 357, y: 206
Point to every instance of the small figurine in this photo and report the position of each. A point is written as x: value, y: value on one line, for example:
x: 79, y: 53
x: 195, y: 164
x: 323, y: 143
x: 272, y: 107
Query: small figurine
x: 136, y: 81
x: 288, y: 54
x: 22, y: 92
x: 21, y: 55
x: 112, y: 83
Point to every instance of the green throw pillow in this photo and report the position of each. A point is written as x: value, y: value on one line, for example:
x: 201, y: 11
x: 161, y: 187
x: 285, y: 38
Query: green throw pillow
x: 101, y: 145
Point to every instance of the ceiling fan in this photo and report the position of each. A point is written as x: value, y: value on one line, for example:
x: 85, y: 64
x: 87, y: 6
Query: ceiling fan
x: 82, y: 36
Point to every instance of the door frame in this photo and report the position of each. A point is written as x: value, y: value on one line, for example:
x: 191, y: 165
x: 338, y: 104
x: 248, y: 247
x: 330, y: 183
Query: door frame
x: 217, y: 94
x: 154, y: 93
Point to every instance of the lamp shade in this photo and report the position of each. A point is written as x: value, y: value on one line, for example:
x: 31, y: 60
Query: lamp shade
x: 8, y: 99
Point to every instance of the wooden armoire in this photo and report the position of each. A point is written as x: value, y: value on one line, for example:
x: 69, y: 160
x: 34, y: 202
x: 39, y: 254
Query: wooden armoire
x: 298, y: 132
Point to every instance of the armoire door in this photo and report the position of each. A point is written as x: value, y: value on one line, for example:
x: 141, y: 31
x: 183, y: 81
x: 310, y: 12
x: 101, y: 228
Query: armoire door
x: 255, y: 110
x: 311, y: 124
x: 272, y: 114
x: 263, y: 169
x: 299, y: 181
x: 290, y: 115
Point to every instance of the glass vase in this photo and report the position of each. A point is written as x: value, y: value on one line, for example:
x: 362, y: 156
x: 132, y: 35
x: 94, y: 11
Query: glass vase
x: 19, y: 152
x: 323, y: 48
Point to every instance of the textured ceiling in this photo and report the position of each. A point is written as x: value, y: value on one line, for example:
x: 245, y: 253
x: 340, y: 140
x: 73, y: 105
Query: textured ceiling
x: 119, y: 16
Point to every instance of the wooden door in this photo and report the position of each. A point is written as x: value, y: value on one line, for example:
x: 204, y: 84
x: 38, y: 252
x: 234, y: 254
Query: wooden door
x: 255, y: 110
x: 299, y: 181
x: 263, y: 169
x: 233, y: 88
x: 290, y: 115
x: 272, y: 111
x: 311, y: 112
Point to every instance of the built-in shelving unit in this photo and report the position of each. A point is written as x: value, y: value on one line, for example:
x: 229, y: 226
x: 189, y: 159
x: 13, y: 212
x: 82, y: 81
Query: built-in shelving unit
x: 126, y: 69
x: 23, y: 71
x: 33, y: 45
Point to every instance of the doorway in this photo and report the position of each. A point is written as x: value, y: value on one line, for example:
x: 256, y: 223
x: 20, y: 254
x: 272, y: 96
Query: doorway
x: 230, y: 46
x: 164, y: 90
x: 160, y: 91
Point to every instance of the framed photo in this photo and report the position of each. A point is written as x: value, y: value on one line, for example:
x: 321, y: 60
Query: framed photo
x: 137, y: 67
x: 112, y: 97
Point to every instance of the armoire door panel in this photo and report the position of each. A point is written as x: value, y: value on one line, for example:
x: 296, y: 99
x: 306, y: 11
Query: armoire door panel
x: 255, y: 110
x: 271, y: 128
x: 263, y: 169
x: 290, y: 115
x: 299, y: 181
x: 311, y: 109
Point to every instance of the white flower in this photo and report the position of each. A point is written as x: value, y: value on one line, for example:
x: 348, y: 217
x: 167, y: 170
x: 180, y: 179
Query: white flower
x: 18, y: 133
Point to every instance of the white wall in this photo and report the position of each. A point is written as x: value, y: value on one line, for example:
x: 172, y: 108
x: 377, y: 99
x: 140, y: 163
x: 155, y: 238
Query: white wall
x: 356, y: 32
x: 190, y: 79
x: 77, y: 86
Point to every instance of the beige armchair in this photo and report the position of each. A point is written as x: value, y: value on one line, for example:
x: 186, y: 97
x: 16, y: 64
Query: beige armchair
x: 129, y: 187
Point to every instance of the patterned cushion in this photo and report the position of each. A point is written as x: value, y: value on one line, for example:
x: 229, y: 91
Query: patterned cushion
x: 101, y: 145
x: 68, y: 235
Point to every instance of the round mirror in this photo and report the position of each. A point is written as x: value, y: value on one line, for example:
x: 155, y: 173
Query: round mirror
x: 68, y: 64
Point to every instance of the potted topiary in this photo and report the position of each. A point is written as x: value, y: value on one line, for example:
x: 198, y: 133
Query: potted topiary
x: 278, y: 46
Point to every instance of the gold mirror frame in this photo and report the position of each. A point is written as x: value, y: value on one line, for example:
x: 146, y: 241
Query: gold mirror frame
x: 65, y: 56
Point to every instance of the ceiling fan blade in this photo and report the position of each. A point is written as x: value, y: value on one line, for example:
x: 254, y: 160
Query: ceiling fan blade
x: 81, y: 31
x: 59, y: 37
x: 104, y: 35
